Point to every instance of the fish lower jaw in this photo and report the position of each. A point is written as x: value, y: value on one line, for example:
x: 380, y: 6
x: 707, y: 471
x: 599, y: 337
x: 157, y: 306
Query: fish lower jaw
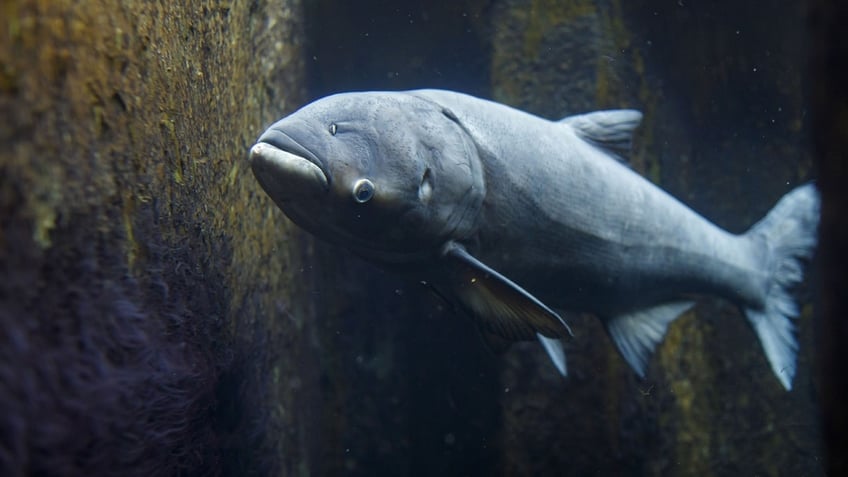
x: 286, y: 176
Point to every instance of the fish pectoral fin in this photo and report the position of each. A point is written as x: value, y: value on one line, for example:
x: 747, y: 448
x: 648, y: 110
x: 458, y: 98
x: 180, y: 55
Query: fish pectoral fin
x: 499, y: 305
x: 638, y: 333
x: 496, y: 343
x: 611, y: 130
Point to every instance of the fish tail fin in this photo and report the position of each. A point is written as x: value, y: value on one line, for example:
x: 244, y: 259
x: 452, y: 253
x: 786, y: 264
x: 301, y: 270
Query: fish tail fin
x: 788, y: 234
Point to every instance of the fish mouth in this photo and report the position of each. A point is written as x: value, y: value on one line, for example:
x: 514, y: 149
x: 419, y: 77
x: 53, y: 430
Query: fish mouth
x: 285, y: 169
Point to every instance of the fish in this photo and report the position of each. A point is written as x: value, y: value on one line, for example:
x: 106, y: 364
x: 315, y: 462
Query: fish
x: 516, y: 220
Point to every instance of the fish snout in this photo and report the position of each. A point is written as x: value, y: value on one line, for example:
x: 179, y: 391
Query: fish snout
x: 284, y: 175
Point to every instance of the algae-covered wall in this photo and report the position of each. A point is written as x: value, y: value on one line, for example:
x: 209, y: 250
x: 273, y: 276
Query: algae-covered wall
x: 148, y: 316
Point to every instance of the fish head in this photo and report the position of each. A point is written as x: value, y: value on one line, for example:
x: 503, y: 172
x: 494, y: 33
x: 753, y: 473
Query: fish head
x: 390, y: 175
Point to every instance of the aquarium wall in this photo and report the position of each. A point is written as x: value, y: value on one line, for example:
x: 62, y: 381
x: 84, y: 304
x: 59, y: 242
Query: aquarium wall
x: 159, y: 315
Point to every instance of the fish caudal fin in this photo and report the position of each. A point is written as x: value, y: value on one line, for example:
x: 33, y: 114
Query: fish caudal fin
x: 788, y: 234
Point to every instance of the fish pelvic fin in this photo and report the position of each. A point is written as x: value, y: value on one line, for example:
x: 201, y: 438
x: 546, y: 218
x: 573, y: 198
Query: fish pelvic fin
x: 499, y: 305
x: 555, y: 351
x: 788, y: 234
x: 637, y: 334
x: 552, y: 346
x: 611, y: 130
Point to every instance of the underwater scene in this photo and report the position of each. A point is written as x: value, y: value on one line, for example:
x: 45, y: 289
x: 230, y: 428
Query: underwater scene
x: 409, y: 238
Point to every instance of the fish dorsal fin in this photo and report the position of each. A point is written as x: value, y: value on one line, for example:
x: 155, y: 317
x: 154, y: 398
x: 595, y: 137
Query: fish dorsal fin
x: 611, y: 130
x: 554, y: 349
x: 638, y: 333
x: 499, y: 305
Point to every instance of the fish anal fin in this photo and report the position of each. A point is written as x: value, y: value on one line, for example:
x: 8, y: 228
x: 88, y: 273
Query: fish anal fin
x: 499, y: 305
x: 637, y: 334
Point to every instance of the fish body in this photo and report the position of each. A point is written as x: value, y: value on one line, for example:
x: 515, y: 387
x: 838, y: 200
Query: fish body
x: 509, y: 216
x: 583, y: 230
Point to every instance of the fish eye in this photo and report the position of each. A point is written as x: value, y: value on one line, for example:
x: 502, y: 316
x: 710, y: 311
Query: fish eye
x: 363, y: 190
x: 333, y: 128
